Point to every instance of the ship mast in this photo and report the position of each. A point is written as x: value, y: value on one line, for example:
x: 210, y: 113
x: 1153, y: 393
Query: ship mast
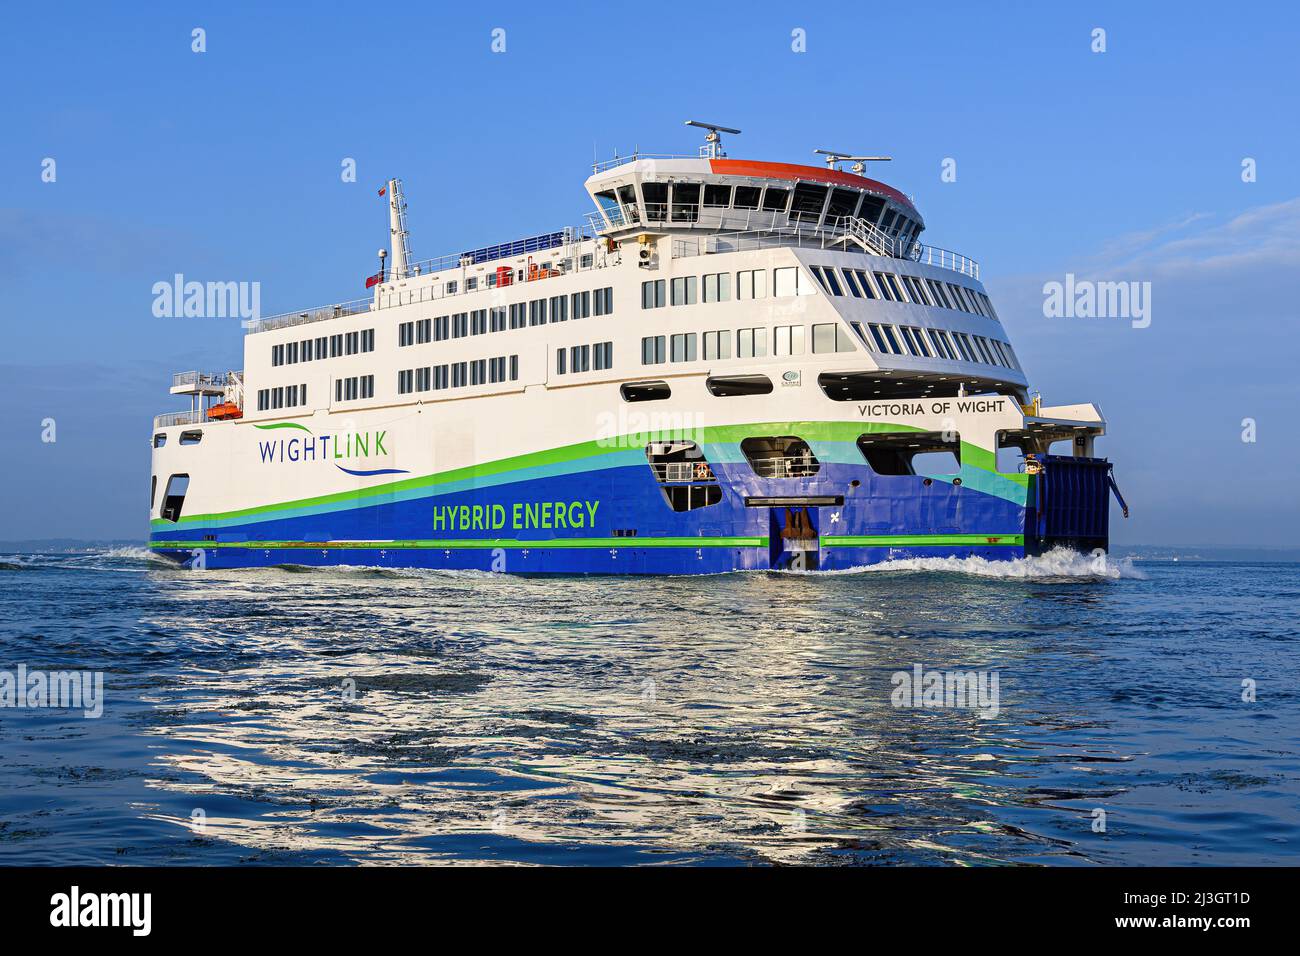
x: 401, y: 239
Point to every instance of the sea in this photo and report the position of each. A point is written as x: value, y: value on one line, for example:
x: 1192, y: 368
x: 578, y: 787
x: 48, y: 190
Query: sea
x: 1062, y: 710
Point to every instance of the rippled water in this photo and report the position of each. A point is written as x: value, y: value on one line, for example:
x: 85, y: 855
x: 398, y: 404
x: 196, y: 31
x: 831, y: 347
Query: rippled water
x: 728, y: 719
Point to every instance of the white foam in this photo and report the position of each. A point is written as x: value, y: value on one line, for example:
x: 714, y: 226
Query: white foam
x: 1059, y: 564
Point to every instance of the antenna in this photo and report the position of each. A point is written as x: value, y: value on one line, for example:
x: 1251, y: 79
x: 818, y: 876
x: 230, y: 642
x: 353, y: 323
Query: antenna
x: 712, y: 148
x: 833, y: 160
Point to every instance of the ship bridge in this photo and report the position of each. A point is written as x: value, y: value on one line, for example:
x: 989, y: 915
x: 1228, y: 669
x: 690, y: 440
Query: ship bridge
x: 714, y: 194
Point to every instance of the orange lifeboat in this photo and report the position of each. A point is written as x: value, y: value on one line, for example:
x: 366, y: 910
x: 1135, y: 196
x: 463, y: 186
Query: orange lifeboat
x: 225, y: 411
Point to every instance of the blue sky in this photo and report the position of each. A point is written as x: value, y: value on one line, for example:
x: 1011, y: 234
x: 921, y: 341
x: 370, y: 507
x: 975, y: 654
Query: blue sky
x: 225, y: 165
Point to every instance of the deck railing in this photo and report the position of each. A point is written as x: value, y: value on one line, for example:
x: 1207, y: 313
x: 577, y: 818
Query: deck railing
x: 200, y: 379
x: 682, y: 471
x: 193, y: 417
x: 785, y: 467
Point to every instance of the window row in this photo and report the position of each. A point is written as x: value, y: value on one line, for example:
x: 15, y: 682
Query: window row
x: 584, y: 358
x: 287, y: 396
x: 862, y: 284
x: 517, y: 315
x: 327, y: 346
x: 936, y: 343
x: 353, y: 388
x: 717, y: 287
x: 503, y: 368
x: 749, y: 343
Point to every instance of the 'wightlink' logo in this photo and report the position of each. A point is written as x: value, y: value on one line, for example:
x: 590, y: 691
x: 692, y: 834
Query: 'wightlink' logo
x: 83, y: 690
x: 353, y: 447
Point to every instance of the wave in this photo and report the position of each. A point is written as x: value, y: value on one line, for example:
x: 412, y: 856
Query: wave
x: 1058, y: 564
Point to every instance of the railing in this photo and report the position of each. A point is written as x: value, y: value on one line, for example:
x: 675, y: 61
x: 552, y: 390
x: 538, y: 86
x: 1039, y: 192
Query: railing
x: 785, y: 467
x: 682, y: 471
x: 706, y: 152
x: 200, y: 379
x: 425, y: 293
x: 822, y: 237
x: 193, y: 417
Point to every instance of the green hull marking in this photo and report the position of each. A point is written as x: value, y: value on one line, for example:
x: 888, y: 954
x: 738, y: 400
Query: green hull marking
x: 739, y: 541
x: 921, y: 540
x: 284, y: 425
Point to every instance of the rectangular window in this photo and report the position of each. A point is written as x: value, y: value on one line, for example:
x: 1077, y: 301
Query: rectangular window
x: 459, y: 374
x: 652, y: 294
x: 263, y: 399
x: 683, y: 347
x: 747, y: 197
x: 717, y: 287
x: 291, y: 354
x: 580, y: 358
x: 684, y: 290
x: 751, y: 343
x: 321, y: 348
x: 442, y: 328
x: 277, y: 398
x: 604, y: 355
x: 478, y: 372
x: 405, y: 334
x: 717, y: 345
x: 336, y: 346
x: 518, y: 315
x: 478, y: 322
x: 788, y: 340
x: 439, y: 377
x: 367, y: 386
x: 451, y: 287
x: 561, y: 361
x: 367, y: 340
x: 751, y: 284
x: 422, y: 379
x: 460, y: 325
x: 404, y: 382
x: 537, y: 312
x: 604, y: 300
x: 559, y: 308
x: 277, y: 355
x: 652, y: 350
x: 353, y: 343
x: 916, y: 290
x: 581, y: 302
x: 497, y: 318
x: 887, y: 282
x: 514, y: 368
x: 305, y: 350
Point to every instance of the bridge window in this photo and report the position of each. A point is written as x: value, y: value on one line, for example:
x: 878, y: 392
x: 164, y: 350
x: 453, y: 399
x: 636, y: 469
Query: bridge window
x: 780, y: 457
x: 726, y: 386
x: 656, y: 201
x: 627, y: 196
x: 843, y: 202
x: 888, y: 284
x: 645, y: 391
x: 916, y: 290
x: 942, y: 347
x: 160, y: 439
x: 717, y: 196
x: 686, y: 202
x: 775, y: 200
x: 871, y: 207
x: 912, y: 453
x: 809, y: 199
x: 174, y: 497
x: 747, y: 197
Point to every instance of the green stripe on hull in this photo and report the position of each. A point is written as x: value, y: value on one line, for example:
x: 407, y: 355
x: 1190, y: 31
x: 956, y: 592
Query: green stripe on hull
x: 921, y: 540
x: 739, y: 541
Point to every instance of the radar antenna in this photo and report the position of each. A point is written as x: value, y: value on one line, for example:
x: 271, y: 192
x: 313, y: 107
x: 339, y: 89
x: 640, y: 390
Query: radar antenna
x: 401, y: 239
x: 833, y: 160
x: 712, y: 148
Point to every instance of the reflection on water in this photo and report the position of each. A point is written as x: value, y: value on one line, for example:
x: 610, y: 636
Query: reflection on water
x: 361, y: 715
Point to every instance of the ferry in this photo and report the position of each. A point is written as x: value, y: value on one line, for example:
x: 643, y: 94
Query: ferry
x: 733, y: 364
